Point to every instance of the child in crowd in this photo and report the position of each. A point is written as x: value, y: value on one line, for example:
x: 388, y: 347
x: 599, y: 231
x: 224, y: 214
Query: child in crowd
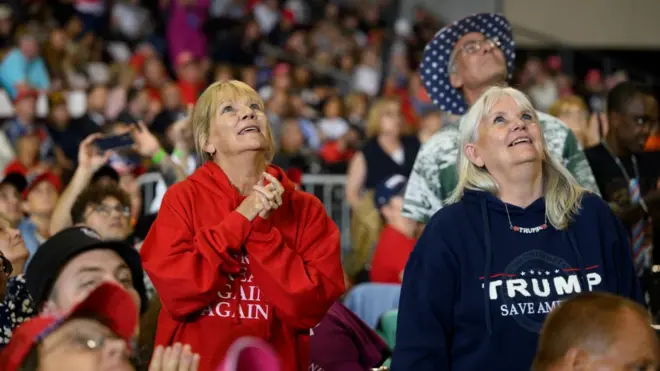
x: 396, y: 239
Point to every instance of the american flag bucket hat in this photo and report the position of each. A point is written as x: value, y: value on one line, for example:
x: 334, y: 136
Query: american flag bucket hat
x: 437, y: 53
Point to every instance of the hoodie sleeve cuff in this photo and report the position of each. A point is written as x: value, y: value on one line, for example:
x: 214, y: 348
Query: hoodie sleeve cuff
x: 261, y: 225
x: 238, y: 227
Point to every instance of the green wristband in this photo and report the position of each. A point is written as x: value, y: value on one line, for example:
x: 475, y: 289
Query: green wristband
x: 159, y: 156
x: 178, y: 154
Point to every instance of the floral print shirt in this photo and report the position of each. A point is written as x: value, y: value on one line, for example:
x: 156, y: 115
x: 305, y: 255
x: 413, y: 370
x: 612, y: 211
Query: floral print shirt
x: 16, y: 308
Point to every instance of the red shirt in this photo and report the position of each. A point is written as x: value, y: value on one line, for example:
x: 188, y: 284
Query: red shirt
x: 221, y: 277
x: 331, y: 154
x: 189, y: 92
x: 390, y: 256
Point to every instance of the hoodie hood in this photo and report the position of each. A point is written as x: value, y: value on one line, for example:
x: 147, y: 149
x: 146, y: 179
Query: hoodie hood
x: 494, y: 204
x: 212, y: 178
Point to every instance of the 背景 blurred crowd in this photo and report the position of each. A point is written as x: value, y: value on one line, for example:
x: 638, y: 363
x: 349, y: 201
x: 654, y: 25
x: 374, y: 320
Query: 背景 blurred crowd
x: 343, y: 94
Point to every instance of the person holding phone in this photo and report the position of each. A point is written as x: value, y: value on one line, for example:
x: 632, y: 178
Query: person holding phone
x: 94, y: 153
x: 236, y: 250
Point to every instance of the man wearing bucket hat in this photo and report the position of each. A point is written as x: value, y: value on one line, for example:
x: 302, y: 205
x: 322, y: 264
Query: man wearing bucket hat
x: 458, y: 65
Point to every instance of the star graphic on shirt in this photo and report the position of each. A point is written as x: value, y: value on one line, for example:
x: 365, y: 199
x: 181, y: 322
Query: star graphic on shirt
x: 531, y: 272
x: 547, y: 273
x: 556, y: 270
x: 522, y: 273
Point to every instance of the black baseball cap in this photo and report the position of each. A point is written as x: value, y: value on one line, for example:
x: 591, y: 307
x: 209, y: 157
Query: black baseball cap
x: 105, y: 171
x: 16, y: 180
x: 58, y: 250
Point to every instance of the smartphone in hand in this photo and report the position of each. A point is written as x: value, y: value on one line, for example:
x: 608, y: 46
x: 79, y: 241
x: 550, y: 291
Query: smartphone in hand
x: 114, y: 142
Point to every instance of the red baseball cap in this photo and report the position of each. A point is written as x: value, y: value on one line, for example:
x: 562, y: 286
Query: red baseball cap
x: 24, y: 93
x: 46, y: 176
x: 109, y: 303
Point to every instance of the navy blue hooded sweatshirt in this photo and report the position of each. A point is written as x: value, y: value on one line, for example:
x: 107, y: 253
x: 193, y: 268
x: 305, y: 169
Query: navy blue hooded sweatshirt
x: 475, y: 293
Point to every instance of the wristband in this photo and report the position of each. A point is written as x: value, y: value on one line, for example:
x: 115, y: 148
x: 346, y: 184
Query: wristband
x: 178, y: 154
x: 159, y: 156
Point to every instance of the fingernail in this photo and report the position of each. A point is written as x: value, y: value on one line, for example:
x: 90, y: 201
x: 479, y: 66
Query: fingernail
x: 158, y: 349
x: 187, y: 348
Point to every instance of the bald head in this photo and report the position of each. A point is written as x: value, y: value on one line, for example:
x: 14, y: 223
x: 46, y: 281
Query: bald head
x: 597, y: 331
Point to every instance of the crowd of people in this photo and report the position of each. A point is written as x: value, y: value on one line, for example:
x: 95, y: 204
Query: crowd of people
x: 492, y: 227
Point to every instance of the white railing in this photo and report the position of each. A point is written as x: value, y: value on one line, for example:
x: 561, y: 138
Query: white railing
x: 330, y: 189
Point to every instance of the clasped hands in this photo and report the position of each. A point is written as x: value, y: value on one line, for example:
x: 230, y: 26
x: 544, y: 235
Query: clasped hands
x: 263, y: 199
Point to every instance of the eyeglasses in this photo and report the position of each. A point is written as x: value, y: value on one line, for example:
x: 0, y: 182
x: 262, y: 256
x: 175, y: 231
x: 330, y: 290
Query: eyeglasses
x: 5, y: 266
x: 473, y: 46
x: 93, y: 342
x: 107, y: 210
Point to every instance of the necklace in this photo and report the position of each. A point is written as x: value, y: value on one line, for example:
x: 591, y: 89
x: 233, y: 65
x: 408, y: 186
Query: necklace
x: 618, y: 163
x: 524, y: 230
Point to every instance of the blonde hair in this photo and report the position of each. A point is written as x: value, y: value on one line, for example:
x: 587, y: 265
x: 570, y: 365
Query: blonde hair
x: 563, y: 195
x: 206, y: 109
x: 561, y: 104
x: 376, y: 114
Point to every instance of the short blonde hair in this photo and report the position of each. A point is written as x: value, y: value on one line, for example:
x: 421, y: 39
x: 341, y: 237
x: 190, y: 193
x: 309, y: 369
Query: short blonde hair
x: 563, y: 195
x: 206, y: 110
x: 376, y: 114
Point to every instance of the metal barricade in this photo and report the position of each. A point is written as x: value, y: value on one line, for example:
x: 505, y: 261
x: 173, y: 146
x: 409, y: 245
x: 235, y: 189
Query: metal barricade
x: 330, y: 189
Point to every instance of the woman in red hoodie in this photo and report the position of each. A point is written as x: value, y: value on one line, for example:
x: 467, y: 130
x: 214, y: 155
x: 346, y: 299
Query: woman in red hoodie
x: 236, y: 250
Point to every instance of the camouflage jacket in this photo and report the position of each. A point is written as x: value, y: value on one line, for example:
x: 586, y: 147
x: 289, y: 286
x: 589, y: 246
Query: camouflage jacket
x: 434, y: 175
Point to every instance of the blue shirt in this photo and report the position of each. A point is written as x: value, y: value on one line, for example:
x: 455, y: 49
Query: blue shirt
x: 29, y: 233
x: 475, y: 293
x: 16, y: 69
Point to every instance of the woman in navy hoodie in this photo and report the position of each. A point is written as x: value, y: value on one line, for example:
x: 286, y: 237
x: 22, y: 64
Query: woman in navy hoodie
x: 519, y: 237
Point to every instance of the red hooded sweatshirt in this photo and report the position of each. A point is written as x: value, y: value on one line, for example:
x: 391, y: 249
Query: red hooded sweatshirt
x: 221, y: 277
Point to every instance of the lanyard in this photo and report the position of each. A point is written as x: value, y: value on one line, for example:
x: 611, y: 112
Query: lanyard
x: 618, y: 163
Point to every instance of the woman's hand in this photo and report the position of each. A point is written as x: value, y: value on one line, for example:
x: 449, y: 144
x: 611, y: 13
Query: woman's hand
x: 270, y: 195
x: 174, y: 358
x: 146, y: 144
x: 262, y: 200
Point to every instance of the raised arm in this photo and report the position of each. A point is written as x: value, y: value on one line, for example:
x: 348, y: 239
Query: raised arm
x: 89, y: 161
x: 304, y: 280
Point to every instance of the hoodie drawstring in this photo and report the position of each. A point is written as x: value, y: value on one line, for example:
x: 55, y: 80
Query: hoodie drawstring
x: 489, y: 251
x: 236, y: 291
x: 583, y: 274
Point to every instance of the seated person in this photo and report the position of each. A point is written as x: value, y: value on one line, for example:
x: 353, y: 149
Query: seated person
x: 597, y: 331
x: 396, y: 240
